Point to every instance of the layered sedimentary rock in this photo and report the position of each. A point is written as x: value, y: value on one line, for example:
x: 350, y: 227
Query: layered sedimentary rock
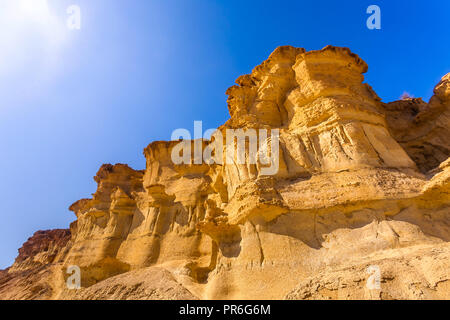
x: 358, y: 184
x: 423, y: 128
x: 29, y: 276
x: 43, y: 248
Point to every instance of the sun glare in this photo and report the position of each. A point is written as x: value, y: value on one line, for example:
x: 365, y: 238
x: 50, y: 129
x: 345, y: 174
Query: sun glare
x: 34, y: 9
x: 33, y: 36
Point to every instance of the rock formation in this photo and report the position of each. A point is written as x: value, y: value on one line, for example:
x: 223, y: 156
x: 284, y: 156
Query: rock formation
x: 360, y: 184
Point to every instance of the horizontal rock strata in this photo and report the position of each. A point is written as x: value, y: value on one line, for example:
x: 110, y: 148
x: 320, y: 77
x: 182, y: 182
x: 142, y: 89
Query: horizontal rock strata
x: 360, y: 183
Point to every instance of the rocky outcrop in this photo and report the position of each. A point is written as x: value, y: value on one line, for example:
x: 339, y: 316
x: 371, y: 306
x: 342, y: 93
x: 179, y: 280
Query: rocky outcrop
x: 358, y: 183
x: 423, y: 129
x: 28, y: 277
x: 43, y: 248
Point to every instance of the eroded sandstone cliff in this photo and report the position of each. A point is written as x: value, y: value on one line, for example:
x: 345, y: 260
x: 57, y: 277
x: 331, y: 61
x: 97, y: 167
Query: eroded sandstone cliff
x: 360, y: 183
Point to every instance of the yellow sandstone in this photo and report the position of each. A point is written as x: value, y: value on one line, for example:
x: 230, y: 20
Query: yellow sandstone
x: 360, y: 183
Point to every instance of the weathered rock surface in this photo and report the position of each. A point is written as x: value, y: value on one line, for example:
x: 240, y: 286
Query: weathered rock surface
x: 417, y: 272
x: 150, y: 283
x: 360, y: 184
x: 423, y: 129
x: 43, y: 248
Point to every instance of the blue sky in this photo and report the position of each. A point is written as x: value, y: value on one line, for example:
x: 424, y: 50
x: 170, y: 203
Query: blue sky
x: 72, y: 100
